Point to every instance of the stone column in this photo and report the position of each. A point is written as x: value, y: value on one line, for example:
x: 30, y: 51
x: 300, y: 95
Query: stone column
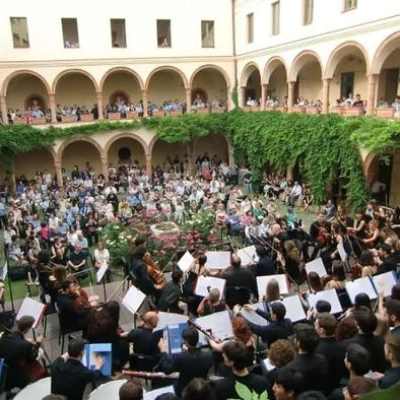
x: 149, y: 157
x: 372, y: 82
x: 145, y: 99
x: 59, y: 177
x: 100, y: 106
x: 325, y: 95
x: 291, y: 95
x: 242, y: 94
x: 52, y: 101
x: 3, y: 108
x: 104, y: 167
x: 289, y: 173
x: 188, y: 99
x: 264, y: 89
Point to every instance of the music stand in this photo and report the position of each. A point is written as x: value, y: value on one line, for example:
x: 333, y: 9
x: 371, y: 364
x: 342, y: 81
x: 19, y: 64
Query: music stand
x: 5, y: 275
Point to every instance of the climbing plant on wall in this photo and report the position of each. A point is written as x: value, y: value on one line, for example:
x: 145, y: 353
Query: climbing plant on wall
x: 327, y: 145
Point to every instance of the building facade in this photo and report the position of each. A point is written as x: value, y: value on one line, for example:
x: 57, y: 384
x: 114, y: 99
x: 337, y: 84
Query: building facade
x: 81, y: 54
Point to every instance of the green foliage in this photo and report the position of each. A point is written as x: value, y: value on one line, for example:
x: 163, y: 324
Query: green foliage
x: 235, y: 96
x: 245, y: 393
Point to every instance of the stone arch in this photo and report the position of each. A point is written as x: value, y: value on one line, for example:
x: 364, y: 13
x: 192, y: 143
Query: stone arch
x: 270, y: 67
x: 35, y: 160
x: 78, y: 138
x: 73, y: 71
x: 343, y: 50
x: 248, y: 69
x: 15, y: 74
x: 390, y: 44
x: 370, y: 166
x: 213, y: 67
x: 210, y: 82
x: 166, y: 69
x: 125, y: 70
x: 126, y: 135
x: 126, y: 142
x: 300, y: 61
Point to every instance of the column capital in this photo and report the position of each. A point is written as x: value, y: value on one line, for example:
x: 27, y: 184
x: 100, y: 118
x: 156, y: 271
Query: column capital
x: 99, y: 93
x: 326, y: 80
x: 57, y: 163
x: 291, y: 83
x: 264, y: 85
x: 372, y: 78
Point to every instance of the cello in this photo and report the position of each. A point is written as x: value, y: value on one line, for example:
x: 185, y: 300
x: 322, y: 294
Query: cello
x: 153, y: 269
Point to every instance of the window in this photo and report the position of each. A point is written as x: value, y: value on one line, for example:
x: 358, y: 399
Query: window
x: 250, y: 28
x: 19, y: 31
x: 308, y: 12
x: 207, y: 33
x: 350, y: 5
x: 164, y: 33
x: 118, y: 33
x: 70, y: 33
x: 275, y: 17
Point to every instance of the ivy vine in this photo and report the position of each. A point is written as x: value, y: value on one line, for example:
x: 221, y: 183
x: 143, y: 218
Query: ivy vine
x: 327, y: 146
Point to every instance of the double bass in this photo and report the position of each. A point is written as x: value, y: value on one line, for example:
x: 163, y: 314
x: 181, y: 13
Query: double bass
x: 153, y: 269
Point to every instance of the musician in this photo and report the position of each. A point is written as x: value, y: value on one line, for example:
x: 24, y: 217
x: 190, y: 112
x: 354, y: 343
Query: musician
x: 387, y: 259
x: 356, y: 232
x: 376, y: 212
x: 235, y: 358
x: 131, y: 390
x: 171, y: 294
x: 279, y: 327
x: 211, y: 303
x: 265, y: 264
x: 372, y: 235
x: 319, y: 231
x: 289, y: 262
x: 19, y: 354
x: 138, y: 272
x: 145, y: 343
x: 71, y: 310
x: 191, y: 363
x: 69, y: 376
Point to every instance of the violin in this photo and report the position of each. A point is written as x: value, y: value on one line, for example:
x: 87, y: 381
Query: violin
x: 323, y: 236
x: 154, y: 270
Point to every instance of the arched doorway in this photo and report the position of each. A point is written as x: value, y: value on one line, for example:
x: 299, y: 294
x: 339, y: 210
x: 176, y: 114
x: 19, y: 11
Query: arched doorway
x: 81, y: 152
x: 163, y: 153
x: 306, y: 71
x: 347, y: 67
x: 212, y: 84
x: 251, y: 82
x: 386, y: 63
x: 30, y: 163
x: 215, y: 145
x: 25, y: 90
x: 275, y: 76
x: 75, y: 88
x: 126, y: 150
x: 121, y: 84
x: 166, y: 85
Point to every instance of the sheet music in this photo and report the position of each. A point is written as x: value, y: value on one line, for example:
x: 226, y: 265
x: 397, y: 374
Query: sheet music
x: 133, y: 299
x: 267, y: 364
x: 328, y: 295
x: 342, y: 252
x: 186, y: 261
x: 32, y: 308
x: 317, y: 266
x: 206, y: 283
x: 247, y: 255
x: 384, y: 283
x: 167, y: 319
x: 294, y: 308
x: 101, y: 271
x: 262, y: 282
x: 218, y: 259
x: 253, y: 317
x: 152, y: 395
x: 361, y: 285
x: 219, y: 323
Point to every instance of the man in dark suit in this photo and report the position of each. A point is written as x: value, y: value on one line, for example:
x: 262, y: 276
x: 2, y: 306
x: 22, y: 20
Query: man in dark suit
x: 237, y: 277
x: 145, y: 343
x: 325, y: 324
x: 18, y: 354
x: 311, y: 365
x: 191, y: 363
x: 393, y: 315
x: 278, y: 328
x: 265, y: 264
x: 68, y: 375
x: 171, y: 293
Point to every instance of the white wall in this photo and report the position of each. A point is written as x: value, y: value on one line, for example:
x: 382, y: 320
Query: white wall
x: 46, y: 39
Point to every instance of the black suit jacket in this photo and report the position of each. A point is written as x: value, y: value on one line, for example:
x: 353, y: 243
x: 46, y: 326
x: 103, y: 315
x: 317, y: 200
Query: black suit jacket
x: 17, y: 353
x: 138, y: 270
x: 69, y: 378
x: 314, y: 369
x: 72, y: 317
x: 241, y: 277
x: 190, y: 364
x: 334, y: 355
x: 265, y: 266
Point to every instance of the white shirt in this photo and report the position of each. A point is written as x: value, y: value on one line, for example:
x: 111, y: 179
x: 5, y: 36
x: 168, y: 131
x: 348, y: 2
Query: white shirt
x: 102, y: 256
